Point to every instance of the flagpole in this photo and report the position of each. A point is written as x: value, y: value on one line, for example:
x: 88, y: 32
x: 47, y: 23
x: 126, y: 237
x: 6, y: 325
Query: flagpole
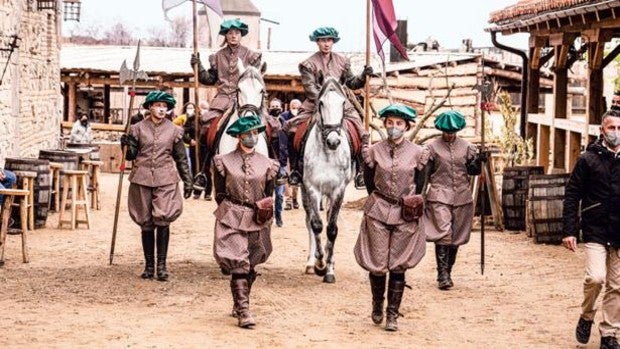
x: 367, y: 84
x: 196, y: 95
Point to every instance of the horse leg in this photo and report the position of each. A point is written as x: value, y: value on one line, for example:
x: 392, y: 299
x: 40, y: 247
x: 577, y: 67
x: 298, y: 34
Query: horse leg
x: 332, y: 233
x: 306, y: 201
x: 311, y: 205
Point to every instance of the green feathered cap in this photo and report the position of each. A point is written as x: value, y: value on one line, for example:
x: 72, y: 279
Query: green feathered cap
x: 450, y: 121
x: 233, y: 24
x: 246, y: 124
x: 159, y: 96
x: 399, y: 111
x: 325, y: 32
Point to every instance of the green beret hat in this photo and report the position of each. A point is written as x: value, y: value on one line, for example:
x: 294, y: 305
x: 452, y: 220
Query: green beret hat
x: 450, y: 121
x: 400, y: 111
x: 233, y: 24
x: 245, y: 124
x: 325, y: 32
x: 159, y: 96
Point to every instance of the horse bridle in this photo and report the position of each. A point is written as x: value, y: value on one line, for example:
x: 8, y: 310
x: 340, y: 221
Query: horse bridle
x: 326, y: 129
x: 246, y: 108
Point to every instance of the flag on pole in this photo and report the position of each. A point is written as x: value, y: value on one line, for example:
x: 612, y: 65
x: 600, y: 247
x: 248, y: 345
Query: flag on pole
x: 384, y: 27
x: 214, y: 5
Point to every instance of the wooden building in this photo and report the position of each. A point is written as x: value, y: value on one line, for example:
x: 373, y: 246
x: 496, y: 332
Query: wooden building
x: 563, y: 31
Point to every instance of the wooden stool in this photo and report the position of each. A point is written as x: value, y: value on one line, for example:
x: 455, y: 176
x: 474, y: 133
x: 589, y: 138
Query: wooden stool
x: 27, y: 179
x: 94, y: 168
x: 9, y: 195
x: 55, y: 168
x: 76, y: 180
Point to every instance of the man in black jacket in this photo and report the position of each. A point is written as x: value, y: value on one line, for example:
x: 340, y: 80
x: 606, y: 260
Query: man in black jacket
x: 595, y: 187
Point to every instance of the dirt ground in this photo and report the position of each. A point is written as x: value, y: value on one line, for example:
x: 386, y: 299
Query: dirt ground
x: 68, y: 295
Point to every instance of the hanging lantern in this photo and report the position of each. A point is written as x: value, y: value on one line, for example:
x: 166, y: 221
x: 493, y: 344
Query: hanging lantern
x: 71, y: 10
x: 46, y: 5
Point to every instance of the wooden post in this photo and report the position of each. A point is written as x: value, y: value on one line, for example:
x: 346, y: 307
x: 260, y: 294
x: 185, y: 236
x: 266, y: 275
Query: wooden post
x: 561, y: 42
x: 367, y: 85
x: 106, y: 104
x: 196, y: 84
x: 72, y: 102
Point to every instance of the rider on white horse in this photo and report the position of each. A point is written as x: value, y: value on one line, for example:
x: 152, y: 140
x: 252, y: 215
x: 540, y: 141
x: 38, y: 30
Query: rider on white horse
x: 224, y: 73
x: 326, y: 63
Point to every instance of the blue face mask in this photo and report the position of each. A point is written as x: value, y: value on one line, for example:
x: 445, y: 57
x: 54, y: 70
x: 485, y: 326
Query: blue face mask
x: 249, y: 141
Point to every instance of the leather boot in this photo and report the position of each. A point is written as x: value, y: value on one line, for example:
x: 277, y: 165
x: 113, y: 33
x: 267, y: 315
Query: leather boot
x: 251, y: 278
x: 394, y: 297
x: 295, y: 177
x: 163, y: 237
x: 377, y: 286
x: 441, y: 257
x: 148, y: 246
x: 452, y: 252
x: 241, y: 296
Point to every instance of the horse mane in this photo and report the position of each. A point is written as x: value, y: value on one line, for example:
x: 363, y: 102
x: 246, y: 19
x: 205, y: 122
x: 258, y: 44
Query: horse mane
x: 252, y: 71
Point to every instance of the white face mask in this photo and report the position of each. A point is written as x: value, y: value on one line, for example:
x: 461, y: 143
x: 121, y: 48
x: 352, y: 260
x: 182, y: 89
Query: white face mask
x: 394, y: 132
x: 295, y: 111
x: 612, y: 138
x: 189, y: 111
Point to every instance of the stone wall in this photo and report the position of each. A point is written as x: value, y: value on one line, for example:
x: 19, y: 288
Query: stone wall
x: 30, y: 95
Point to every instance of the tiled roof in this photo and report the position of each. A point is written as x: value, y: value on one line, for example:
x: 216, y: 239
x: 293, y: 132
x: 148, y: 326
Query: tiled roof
x: 524, y: 8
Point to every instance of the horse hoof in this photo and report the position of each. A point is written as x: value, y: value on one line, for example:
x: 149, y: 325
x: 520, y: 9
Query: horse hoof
x: 320, y: 272
x: 309, y: 269
x: 329, y: 279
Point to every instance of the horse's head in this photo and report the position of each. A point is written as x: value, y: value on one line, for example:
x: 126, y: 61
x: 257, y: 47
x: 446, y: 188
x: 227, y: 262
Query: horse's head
x: 250, y: 89
x: 331, y: 102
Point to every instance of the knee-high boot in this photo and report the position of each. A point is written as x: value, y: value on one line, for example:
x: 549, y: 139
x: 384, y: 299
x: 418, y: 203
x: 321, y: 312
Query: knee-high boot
x: 377, y: 286
x: 296, y: 159
x: 443, y: 275
x: 394, y: 296
x: 359, y: 172
x: 251, y: 278
x: 453, y: 250
x: 240, y: 288
x: 163, y: 237
x: 148, y: 247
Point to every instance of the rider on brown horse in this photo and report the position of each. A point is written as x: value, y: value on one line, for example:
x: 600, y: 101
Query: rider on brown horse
x: 326, y: 63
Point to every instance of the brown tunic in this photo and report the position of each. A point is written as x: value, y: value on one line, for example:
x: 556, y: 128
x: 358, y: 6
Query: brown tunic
x: 311, y: 69
x: 449, y: 211
x: 240, y: 243
x: 224, y: 62
x: 387, y: 242
x: 154, y: 196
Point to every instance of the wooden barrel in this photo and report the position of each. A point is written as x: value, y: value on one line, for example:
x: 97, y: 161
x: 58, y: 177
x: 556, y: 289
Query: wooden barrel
x: 42, y: 185
x: 87, y: 151
x: 69, y: 161
x: 546, y: 197
x: 514, y: 193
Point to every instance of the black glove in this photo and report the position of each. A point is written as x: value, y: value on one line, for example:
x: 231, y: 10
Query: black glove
x: 187, y: 192
x: 368, y: 71
x: 196, y: 60
x: 483, y: 157
x: 128, y: 140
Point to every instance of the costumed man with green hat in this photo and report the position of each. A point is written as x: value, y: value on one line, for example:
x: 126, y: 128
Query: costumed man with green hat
x: 155, y: 145
x: 449, y: 208
x: 244, y: 182
x: 224, y: 74
x: 389, y: 240
x: 325, y: 63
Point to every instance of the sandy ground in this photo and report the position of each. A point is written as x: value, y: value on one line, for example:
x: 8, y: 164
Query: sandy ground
x: 68, y: 295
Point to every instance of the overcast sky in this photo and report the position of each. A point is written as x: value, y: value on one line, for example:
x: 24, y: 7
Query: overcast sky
x: 448, y: 21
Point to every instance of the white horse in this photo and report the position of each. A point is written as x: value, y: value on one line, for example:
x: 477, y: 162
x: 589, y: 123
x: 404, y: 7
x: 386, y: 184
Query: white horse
x: 327, y: 171
x: 250, y: 97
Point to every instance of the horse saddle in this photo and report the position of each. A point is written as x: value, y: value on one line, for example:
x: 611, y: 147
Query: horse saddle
x: 301, y: 135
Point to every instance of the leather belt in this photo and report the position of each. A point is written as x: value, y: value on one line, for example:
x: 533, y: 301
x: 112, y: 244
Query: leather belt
x: 388, y: 198
x: 236, y: 201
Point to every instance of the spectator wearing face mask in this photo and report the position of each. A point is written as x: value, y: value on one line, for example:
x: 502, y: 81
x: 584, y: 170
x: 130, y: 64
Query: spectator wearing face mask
x: 275, y: 110
x: 286, y: 143
x: 81, y: 131
x: 187, y: 121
